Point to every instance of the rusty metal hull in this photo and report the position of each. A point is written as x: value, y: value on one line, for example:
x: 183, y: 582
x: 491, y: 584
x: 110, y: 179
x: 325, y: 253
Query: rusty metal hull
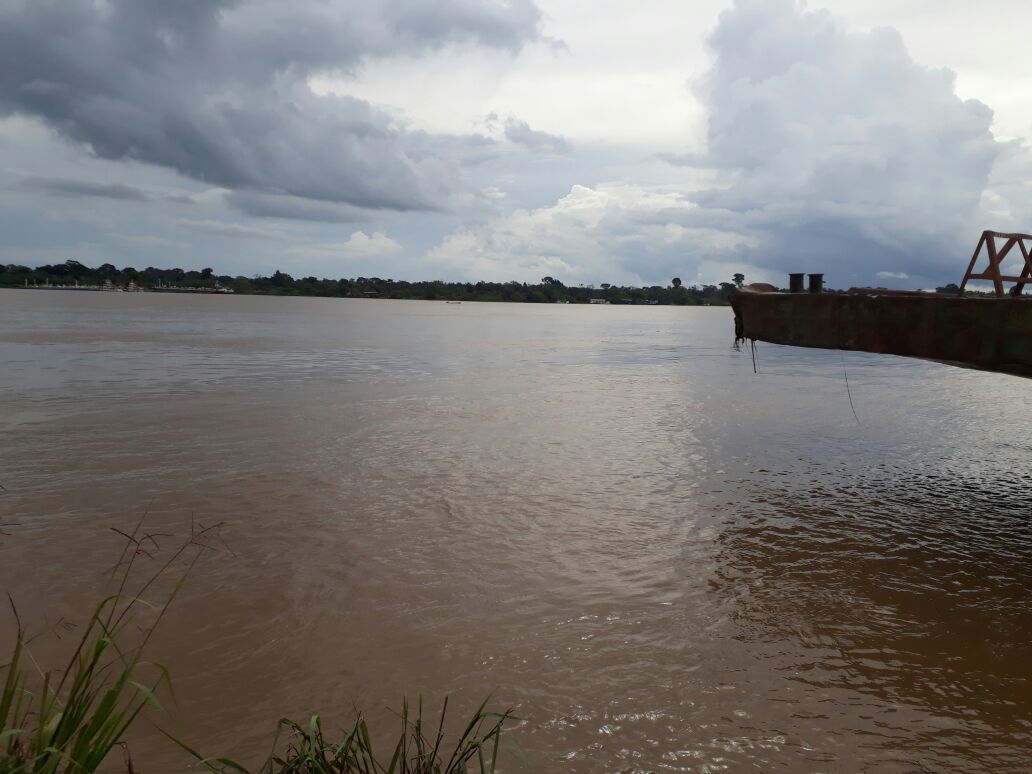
x: 993, y: 334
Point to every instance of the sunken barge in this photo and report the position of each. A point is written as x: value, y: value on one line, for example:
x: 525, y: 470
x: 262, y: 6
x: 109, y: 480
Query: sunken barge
x: 987, y: 332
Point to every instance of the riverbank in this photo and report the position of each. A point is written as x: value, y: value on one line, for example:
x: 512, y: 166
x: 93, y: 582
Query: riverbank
x: 73, y: 275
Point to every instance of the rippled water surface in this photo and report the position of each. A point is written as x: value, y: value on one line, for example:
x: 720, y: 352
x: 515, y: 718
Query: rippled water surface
x: 600, y: 515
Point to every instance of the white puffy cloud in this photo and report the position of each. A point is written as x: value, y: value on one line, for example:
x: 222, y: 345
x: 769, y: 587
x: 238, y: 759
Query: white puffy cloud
x: 615, y: 232
x: 842, y: 154
x: 829, y: 150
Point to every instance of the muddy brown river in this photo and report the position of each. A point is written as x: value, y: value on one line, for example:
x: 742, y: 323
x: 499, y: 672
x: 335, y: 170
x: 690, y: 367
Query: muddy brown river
x: 600, y: 516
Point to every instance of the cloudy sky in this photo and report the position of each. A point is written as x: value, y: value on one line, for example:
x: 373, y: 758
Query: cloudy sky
x: 510, y: 139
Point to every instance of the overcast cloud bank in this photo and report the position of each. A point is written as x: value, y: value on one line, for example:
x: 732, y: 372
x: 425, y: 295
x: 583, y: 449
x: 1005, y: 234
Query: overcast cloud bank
x: 834, y: 152
x: 844, y: 154
x: 217, y: 90
x: 826, y: 148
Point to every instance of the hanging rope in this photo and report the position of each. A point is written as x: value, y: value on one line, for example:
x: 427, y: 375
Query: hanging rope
x: 848, y: 391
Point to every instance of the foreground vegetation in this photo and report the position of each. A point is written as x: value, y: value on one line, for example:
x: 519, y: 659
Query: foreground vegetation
x: 549, y: 290
x: 74, y: 720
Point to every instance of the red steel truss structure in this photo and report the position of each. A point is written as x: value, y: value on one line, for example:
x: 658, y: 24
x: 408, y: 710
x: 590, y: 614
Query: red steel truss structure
x: 995, y: 256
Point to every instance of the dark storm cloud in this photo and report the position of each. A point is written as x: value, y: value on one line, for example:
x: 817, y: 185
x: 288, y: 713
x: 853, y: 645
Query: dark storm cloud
x: 222, y: 228
x: 83, y: 189
x: 217, y: 89
x: 841, y: 153
x: 261, y: 205
x: 519, y: 132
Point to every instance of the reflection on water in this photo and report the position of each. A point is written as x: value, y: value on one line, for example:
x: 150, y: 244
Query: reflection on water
x: 600, y: 514
x: 904, y: 591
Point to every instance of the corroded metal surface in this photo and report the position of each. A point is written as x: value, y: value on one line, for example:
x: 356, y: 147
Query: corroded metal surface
x: 993, y: 334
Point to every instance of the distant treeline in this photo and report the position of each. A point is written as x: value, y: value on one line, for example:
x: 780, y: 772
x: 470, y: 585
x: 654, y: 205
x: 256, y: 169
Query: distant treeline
x: 549, y: 290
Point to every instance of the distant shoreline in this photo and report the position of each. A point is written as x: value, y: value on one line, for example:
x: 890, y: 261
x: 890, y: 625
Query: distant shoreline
x: 205, y: 292
x: 73, y: 276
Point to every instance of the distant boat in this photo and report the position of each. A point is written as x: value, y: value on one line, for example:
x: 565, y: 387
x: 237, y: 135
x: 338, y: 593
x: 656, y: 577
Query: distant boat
x: 76, y: 286
x: 562, y: 301
x: 453, y: 302
x: 597, y: 301
x: 163, y: 288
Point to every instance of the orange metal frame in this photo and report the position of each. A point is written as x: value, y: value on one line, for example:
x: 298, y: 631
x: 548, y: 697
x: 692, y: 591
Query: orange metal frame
x: 996, y: 256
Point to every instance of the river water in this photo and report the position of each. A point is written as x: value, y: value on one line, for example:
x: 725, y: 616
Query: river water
x: 600, y: 516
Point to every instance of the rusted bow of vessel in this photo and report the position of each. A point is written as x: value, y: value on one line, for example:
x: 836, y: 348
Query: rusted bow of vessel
x: 987, y: 333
